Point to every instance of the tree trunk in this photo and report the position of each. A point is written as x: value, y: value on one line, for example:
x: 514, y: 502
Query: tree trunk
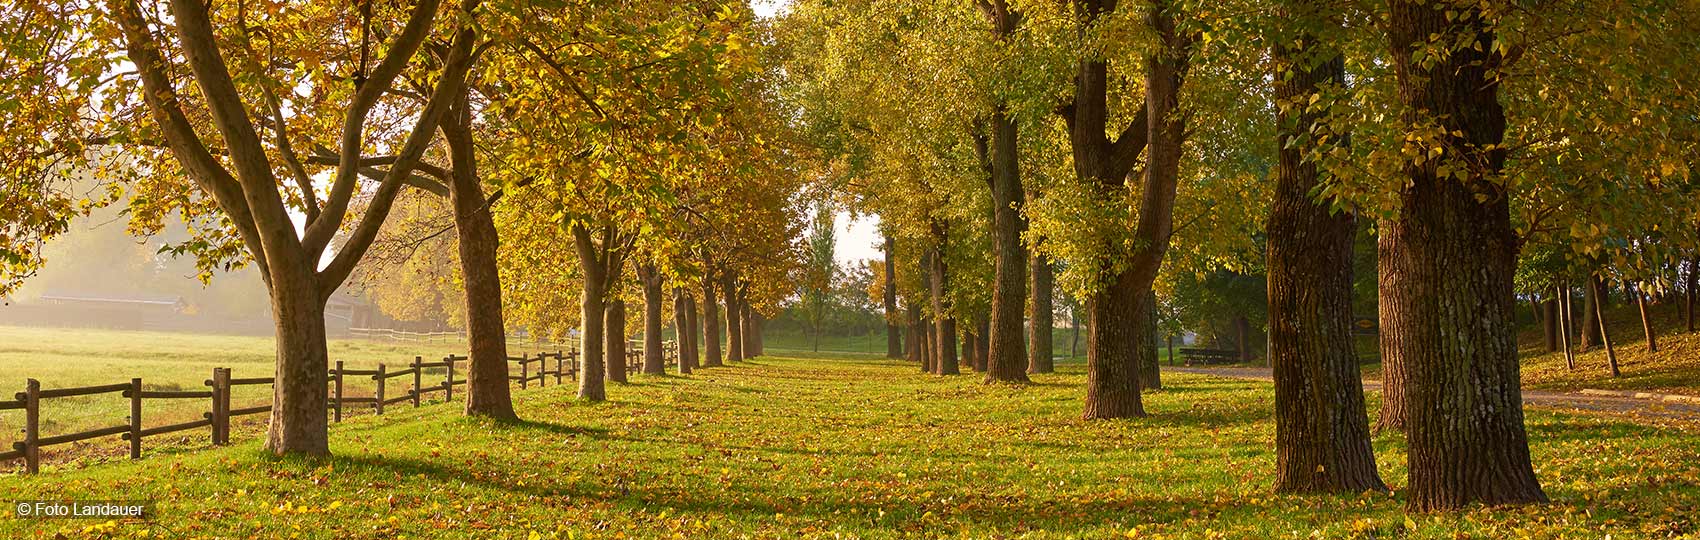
x: 746, y: 318
x: 1242, y: 339
x: 983, y: 345
x: 734, y: 321
x: 945, y: 334
x: 1592, y: 297
x: 487, y: 392
x: 1043, y: 322
x: 1605, y: 334
x: 1458, y: 253
x: 930, y: 347
x: 1389, y: 281
x: 893, y: 340
x: 966, y: 347
x: 1547, y: 312
x: 1009, y: 290
x: 1646, y: 321
x: 758, y: 326
x: 593, y: 305
x: 1112, y: 380
x: 711, y: 324
x: 298, y: 419
x: 1112, y: 376
x: 682, y: 331
x: 654, y: 361
x: 1322, y: 438
x: 1145, y: 345
x: 693, y: 331
x: 913, y: 344
x: 1689, y: 293
x: 616, y: 342
x: 1567, y: 324
x: 1074, y: 336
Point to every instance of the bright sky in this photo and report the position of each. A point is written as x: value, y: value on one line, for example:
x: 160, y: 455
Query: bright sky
x: 857, y: 239
x: 766, y: 8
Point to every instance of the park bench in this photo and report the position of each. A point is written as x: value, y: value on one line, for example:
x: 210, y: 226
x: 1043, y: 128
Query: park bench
x: 1209, y: 356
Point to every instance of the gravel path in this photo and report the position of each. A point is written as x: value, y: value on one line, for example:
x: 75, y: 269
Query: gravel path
x: 1546, y: 399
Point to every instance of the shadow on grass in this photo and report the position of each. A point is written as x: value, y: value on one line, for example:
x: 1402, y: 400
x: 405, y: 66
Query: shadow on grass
x: 751, y: 499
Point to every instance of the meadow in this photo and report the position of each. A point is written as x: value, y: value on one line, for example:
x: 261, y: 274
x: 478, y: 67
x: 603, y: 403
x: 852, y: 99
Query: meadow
x: 852, y: 448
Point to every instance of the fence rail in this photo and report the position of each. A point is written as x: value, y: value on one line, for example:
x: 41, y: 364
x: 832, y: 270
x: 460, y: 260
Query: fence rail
x: 219, y: 413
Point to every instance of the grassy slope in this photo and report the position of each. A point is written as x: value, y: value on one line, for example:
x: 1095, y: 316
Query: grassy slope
x: 1674, y: 369
x: 854, y: 449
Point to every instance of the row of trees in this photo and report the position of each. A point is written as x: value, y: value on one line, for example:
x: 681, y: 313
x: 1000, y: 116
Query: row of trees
x: 1123, y: 149
x: 645, y: 144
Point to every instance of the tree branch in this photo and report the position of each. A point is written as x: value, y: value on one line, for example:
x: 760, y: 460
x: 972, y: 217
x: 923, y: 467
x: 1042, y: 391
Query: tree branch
x: 319, y: 232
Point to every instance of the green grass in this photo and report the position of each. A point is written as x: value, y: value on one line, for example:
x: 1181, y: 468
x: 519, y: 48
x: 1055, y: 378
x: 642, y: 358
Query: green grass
x: 61, y: 358
x: 853, y: 448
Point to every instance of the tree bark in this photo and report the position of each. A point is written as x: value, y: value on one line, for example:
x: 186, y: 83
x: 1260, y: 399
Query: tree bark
x: 1593, y: 296
x: 1389, y: 282
x: 1043, y: 323
x: 1112, y: 374
x: 693, y: 331
x: 616, y: 342
x: 1322, y: 438
x: 682, y: 331
x: 1009, y: 291
x: 711, y: 323
x: 593, y: 305
x: 893, y: 339
x: 1242, y: 339
x: 1145, y: 345
x: 1547, y: 311
x: 747, y: 319
x: 1566, y: 324
x: 945, y: 334
x: 912, y: 342
x: 734, y: 319
x: 487, y: 392
x: 298, y: 419
x: 1458, y: 251
x: 1605, y: 334
x: 1693, y: 281
x: 654, y: 361
x: 1646, y: 321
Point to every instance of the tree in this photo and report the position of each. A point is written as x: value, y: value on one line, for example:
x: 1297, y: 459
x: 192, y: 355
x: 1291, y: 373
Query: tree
x: 1455, y: 256
x: 246, y: 185
x: 820, y: 275
x: 1322, y: 440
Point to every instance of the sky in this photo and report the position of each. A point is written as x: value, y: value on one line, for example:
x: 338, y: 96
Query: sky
x: 858, y: 239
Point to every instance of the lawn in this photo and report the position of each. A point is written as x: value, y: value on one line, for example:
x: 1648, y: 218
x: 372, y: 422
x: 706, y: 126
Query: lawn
x: 852, y: 448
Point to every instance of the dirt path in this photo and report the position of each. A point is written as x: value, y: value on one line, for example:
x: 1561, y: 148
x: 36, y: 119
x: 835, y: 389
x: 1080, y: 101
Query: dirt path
x: 1545, y: 399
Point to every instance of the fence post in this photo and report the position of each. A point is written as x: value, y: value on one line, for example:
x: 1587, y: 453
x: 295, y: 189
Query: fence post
x: 416, y: 379
x: 524, y: 371
x: 542, y: 370
x: 449, y: 380
x: 558, y: 366
x: 136, y: 418
x: 32, y: 425
x: 337, y: 394
x: 221, y: 392
x: 380, y: 378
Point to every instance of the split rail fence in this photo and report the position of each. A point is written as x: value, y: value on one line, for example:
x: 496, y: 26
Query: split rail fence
x: 536, y: 369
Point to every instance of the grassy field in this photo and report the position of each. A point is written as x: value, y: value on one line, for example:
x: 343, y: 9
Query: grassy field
x: 61, y: 357
x: 788, y: 448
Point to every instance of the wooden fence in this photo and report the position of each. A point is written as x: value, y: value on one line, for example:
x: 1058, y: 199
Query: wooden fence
x: 559, y: 365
